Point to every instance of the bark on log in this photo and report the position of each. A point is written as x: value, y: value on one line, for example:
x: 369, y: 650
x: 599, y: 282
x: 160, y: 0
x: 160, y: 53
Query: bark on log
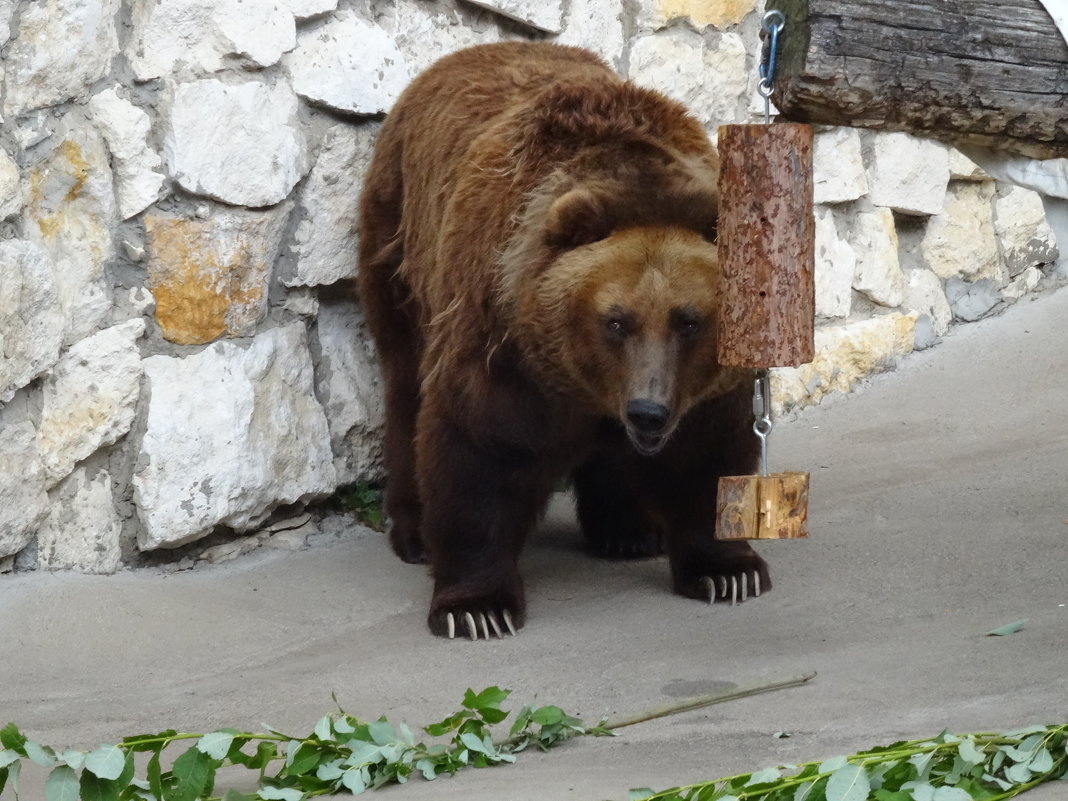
x: 985, y: 72
x: 766, y: 245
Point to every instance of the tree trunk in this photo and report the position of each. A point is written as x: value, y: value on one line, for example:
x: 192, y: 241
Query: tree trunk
x: 985, y: 72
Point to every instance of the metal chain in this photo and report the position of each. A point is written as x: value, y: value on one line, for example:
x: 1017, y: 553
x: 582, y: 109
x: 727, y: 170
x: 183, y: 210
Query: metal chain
x: 770, y: 28
x: 762, y: 425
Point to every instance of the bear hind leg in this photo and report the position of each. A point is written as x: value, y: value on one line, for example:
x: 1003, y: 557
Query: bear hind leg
x: 608, y: 494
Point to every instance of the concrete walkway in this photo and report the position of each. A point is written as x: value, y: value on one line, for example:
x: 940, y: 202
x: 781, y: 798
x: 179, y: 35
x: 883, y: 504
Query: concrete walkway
x: 938, y: 511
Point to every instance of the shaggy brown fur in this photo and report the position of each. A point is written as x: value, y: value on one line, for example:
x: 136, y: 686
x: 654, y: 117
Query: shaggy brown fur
x: 537, y: 268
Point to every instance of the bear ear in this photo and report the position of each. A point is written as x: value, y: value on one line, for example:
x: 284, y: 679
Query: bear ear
x: 577, y: 218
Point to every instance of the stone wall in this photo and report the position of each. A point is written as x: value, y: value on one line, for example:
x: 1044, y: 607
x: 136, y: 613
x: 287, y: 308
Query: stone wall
x: 182, y: 358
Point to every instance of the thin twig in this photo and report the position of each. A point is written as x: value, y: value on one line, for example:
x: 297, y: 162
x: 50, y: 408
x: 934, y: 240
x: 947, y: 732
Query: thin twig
x: 701, y: 701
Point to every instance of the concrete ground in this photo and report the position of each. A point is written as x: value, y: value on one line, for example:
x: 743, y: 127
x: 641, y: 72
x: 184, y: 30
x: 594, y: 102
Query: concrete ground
x: 938, y: 511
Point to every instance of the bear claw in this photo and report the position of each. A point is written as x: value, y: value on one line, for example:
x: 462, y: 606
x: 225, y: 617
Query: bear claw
x: 715, y: 588
x: 485, y: 621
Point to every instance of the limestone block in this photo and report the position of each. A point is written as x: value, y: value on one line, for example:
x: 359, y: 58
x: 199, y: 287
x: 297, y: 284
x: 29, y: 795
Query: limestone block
x: 62, y: 47
x: 424, y: 32
x: 878, y: 274
x: 70, y: 215
x: 972, y: 301
x: 835, y: 264
x: 905, y: 173
x: 545, y: 15
x: 231, y: 433
x: 239, y: 143
x: 90, y: 398
x: 1025, y: 282
x: 960, y: 241
x: 31, y: 317
x: 925, y: 296
x: 12, y: 196
x: 1024, y: 235
x: 83, y: 530
x: 186, y: 38
x: 302, y: 9
x: 210, y: 278
x: 349, y: 65
x: 962, y: 168
x: 838, y: 166
x: 126, y: 129
x: 845, y: 355
x: 6, y: 7
x: 709, y: 79
x: 349, y: 384
x: 596, y: 25
x: 721, y: 14
x: 326, y: 238
x: 23, y: 501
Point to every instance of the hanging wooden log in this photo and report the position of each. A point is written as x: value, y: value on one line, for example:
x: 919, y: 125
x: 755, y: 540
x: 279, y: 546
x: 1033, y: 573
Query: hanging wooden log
x: 986, y: 72
x: 772, y: 507
x: 766, y: 245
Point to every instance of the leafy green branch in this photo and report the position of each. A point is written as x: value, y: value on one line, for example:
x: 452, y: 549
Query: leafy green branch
x: 343, y: 753
x: 949, y: 767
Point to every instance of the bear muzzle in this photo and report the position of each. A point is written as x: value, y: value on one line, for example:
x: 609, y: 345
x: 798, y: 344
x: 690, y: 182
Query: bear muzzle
x: 647, y: 423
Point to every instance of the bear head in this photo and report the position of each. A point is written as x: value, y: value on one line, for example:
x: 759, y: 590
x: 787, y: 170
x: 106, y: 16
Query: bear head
x: 616, y: 306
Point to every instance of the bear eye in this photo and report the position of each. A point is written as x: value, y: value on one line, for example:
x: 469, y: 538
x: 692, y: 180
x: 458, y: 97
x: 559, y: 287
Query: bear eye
x: 687, y: 323
x: 618, y: 324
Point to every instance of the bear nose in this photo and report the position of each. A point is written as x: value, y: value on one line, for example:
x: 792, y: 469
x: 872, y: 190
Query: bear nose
x: 647, y: 416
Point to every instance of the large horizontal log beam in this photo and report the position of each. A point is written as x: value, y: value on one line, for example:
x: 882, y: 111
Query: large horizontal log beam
x: 985, y: 72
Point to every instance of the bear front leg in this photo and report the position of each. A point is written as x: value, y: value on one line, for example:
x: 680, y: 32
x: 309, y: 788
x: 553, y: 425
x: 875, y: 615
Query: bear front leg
x: 479, y: 502
x: 714, y: 440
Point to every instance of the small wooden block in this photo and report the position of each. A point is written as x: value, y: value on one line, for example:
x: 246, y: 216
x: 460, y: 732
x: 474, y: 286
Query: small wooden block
x: 772, y: 507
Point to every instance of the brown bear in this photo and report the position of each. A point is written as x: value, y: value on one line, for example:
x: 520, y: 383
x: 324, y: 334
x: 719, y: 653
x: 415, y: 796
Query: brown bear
x: 538, y: 269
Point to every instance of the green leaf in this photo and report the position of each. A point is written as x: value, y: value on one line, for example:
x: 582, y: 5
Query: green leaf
x: 191, y: 770
x: 93, y: 788
x: 235, y: 795
x: 305, y: 759
x: 73, y: 758
x: 893, y: 795
x: 330, y: 771
x: 343, y: 726
x: 969, y: 753
x: 1018, y: 773
x: 11, y: 737
x: 487, y: 703
x: 640, y: 793
x: 547, y: 715
x: 1042, y: 762
x: 1008, y: 628
x: 765, y: 776
x: 848, y: 783
x: 216, y: 744
x: 8, y: 756
x: 62, y: 784
x: 3, y: 779
x: 833, y: 764
x: 323, y: 730
x: 921, y: 791
x: 428, y: 767
x: 353, y: 781
x: 40, y: 754
x: 382, y: 732
x: 106, y: 762
x: 13, y: 771
x: 951, y: 794
x: 280, y: 793
x: 154, y: 775
x: 475, y: 743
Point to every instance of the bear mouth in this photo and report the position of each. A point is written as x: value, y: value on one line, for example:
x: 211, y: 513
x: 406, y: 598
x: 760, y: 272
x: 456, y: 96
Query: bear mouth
x: 647, y: 444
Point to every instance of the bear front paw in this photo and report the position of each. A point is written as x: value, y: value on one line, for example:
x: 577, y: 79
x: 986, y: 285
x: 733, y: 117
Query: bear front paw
x: 473, y: 625
x: 476, y: 613
x: 720, y: 571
